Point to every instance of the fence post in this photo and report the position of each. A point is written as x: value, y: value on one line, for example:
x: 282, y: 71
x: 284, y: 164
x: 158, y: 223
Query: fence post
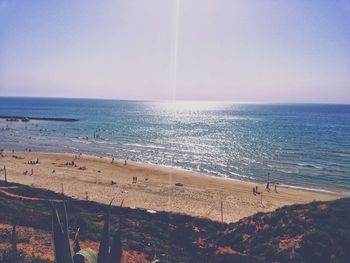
x: 5, y: 174
x: 222, y: 211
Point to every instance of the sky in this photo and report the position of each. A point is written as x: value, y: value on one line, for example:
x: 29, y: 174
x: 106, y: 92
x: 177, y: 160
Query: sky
x: 243, y: 51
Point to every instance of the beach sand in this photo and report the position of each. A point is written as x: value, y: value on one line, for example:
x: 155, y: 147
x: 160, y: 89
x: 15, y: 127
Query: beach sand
x: 200, y: 195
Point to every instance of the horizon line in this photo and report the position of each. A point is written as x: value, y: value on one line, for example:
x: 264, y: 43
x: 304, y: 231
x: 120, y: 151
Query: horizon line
x: 178, y: 100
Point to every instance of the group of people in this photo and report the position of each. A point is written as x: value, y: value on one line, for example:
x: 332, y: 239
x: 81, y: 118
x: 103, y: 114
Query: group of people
x: 268, y: 187
x: 256, y: 192
x: 125, y: 161
x: 34, y: 162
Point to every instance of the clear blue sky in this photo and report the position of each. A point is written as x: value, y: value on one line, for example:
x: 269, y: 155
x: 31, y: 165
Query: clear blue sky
x: 249, y: 50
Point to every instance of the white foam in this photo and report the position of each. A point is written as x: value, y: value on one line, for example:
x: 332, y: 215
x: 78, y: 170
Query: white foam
x: 319, y: 190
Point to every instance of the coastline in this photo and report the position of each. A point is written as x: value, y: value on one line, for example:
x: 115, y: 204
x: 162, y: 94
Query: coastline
x: 196, y: 194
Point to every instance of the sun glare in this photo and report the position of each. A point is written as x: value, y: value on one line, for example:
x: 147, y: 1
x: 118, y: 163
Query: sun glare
x: 184, y: 105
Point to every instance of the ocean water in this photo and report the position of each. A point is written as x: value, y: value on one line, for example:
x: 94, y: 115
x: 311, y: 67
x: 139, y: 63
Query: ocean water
x: 300, y: 145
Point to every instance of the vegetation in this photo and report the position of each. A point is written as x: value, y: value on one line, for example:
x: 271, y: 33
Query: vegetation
x: 106, y: 253
x: 169, y: 237
x: 315, y: 232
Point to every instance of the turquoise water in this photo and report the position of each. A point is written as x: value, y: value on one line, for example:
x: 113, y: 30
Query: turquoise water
x: 300, y: 145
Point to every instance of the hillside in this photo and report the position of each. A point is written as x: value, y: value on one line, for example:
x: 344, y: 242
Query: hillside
x: 316, y: 232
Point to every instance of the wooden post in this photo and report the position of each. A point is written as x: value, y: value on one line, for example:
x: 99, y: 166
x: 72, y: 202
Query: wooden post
x: 222, y: 211
x: 14, y: 244
x: 5, y: 174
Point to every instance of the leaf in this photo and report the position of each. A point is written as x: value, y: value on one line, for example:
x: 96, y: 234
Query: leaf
x: 104, y: 244
x: 67, y: 250
x: 116, y: 248
x: 76, y: 245
x: 58, y: 237
x: 89, y: 254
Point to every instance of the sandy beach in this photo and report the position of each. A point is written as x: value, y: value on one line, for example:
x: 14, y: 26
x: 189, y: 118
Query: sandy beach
x: 195, y: 194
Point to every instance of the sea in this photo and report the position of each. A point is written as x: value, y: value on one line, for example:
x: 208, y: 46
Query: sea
x: 296, y: 145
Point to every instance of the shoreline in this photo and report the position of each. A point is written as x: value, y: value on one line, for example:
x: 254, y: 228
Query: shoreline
x: 341, y: 193
x: 334, y: 192
x: 197, y: 194
x: 295, y: 187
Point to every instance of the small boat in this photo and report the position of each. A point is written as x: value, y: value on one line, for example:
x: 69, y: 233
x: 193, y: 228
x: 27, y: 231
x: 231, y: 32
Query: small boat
x: 25, y: 119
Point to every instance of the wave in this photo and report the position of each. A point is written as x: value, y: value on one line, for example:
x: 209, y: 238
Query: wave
x: 81, y: 141
x: 319, y: 190
x: 144, y: 146
x: 105, y: 141
x: 133, y: 151
x: 307, y: 165
x: 242, y: 176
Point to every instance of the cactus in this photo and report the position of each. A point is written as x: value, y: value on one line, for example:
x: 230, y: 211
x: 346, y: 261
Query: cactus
x: 116, y: 248
x: 104, y: 244
x: 60, y: 246
x: 106, y: 253
x: 76, y: 245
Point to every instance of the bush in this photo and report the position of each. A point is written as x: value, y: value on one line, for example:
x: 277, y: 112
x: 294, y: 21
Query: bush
x: 6, y: 257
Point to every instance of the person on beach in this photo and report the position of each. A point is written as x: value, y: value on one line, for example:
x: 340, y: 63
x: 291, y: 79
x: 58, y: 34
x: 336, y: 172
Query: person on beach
x: 268, y: 186
x: 254, y: 191
x: 125, y: 162
x: 112, y: 159
x: 276, y: 188
x: 31, y: 172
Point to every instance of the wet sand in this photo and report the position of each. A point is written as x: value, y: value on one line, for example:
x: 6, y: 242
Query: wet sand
x: 156, y: 189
